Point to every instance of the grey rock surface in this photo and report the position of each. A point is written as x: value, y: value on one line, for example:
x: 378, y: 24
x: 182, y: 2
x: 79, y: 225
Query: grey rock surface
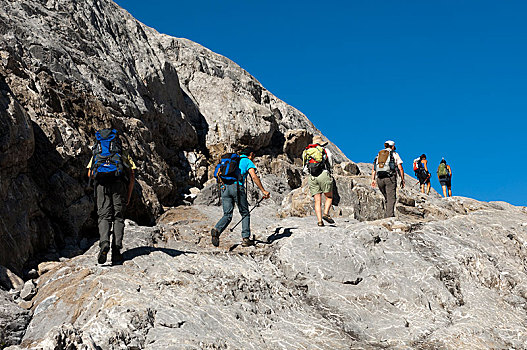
x: 442, y: 283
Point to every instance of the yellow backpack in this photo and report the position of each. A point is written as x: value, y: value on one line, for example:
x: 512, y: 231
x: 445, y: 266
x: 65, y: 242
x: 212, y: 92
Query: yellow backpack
x: 315, y: 156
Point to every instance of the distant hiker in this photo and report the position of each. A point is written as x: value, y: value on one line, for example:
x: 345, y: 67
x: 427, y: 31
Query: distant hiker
x: 111, y: 168
x: 384, y: 169
x: 231, y: 174
x: 317, y: 162
x: 444, y: 174
x: 422, y: 173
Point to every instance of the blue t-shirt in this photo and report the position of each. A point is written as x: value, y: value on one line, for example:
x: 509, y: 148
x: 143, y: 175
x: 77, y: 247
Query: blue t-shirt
x: 245, y: 164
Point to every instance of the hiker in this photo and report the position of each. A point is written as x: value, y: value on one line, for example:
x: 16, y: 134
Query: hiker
x: 232, y: 189
x: 444, y: 174
x: 317, y: 162
x: 422, y: 173
x: 110, y: 168
x: 384, y: 169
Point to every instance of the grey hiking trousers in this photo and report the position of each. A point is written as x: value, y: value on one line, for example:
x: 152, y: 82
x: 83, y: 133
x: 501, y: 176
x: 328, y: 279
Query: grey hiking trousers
x: 110, y: 210
x: 388, y: 187
x: 231, y: 194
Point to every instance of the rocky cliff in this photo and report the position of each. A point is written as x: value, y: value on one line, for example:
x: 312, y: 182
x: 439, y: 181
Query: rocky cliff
x: 68, y: 68
x: 444, y: 274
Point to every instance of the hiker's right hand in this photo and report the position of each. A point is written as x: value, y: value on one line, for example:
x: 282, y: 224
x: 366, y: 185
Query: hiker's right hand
x: 266, y: 194
x: 373, y: 183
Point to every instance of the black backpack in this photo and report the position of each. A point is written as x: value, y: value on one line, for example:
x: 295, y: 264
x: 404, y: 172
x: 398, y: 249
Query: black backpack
x: 107, y: 164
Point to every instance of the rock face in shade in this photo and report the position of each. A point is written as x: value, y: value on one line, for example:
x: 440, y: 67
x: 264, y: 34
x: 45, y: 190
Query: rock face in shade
x: 454, y: 280
x: 68, y: 68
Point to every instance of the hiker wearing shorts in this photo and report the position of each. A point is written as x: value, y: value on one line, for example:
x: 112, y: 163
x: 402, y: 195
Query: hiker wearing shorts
x: 317, y: 162
x: 423, y: 175
x: 109, y: 192
x: 444, y: 174
x: 234, y: 192
x: 384, y: 175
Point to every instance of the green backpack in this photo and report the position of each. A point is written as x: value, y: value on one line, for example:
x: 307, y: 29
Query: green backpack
x: 442, y: 170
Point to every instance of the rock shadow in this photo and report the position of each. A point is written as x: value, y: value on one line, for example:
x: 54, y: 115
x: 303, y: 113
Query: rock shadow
x: 336, y: 195
x: 4, y: 279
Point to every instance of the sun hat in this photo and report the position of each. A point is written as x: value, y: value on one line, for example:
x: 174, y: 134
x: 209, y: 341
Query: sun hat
x: 390, y: 143
x: 318, y: 140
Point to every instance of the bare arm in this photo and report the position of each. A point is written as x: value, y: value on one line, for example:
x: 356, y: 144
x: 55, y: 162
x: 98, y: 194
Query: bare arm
x: 258, y: 183
x: 402, y: 174
x: 373, y: 173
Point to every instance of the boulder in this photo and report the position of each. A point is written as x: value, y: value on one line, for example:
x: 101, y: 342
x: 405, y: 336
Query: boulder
x: 28, y: 291
x: 10, y: 280
x: 13, y: 321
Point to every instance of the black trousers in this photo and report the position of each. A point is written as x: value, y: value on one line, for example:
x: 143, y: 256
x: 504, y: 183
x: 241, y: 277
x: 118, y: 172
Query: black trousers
x: 110, y: 210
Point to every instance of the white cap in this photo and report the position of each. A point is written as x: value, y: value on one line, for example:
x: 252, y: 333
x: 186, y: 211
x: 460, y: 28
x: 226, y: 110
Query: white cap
x: 390, y: 143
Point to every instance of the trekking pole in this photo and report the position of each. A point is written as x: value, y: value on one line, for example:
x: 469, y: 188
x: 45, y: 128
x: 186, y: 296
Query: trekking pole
x: 247, y: 214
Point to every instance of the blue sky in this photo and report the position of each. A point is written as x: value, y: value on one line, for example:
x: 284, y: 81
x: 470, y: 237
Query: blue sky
x: 445, y: 78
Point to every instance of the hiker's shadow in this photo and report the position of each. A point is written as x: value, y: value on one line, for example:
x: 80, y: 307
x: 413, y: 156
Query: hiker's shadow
x: 139, y: 251
x: 275, y: 236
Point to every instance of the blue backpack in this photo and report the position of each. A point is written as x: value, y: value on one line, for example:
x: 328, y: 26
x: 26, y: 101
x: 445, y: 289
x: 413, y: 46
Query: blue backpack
x: 107, y: 162
x: 228, y: 170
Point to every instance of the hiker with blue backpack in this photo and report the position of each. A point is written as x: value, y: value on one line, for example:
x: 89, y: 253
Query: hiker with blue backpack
x: 110, y: 169
x: 444, y: 174
x: 231, y: 174
x: 317, y: 162
x: 384, y: 175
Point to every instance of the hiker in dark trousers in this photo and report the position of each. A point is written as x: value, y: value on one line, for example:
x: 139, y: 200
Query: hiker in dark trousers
x: 109, y: 190
x: 423, y: 175
x: 235, y: 192
x: 384, y: 175
x: 444, y: 174
x: 317, y: 161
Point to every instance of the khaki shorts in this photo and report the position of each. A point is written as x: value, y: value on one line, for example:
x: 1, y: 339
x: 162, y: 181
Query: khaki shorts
x: 322, y: 183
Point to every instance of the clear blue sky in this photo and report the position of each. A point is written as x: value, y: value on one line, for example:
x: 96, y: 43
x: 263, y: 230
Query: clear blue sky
x: 445, y: 78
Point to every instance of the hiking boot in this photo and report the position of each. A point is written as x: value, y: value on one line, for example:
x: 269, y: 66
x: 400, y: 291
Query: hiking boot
x: 215, y: 234
x: 328, y: 219
x: 247, y: 242
x: 321, y: 223
x: 117, y: 257
x: 103, y: 253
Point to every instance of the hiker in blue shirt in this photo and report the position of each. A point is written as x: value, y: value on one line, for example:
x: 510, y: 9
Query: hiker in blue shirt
x: 234, y: 192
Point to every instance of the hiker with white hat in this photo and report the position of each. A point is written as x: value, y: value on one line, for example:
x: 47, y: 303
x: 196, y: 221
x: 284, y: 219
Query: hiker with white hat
x: 384, y: 175
x: 317, y: 162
